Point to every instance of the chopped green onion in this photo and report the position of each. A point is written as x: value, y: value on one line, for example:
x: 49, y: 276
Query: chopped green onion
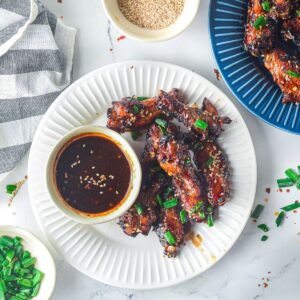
x: 159, y: 200
x: 28, y: 262
x: 6, y: 241
x: 136, y: 109
x: 161, y: 122
x: 182, y: 215
x: 298, y: 13
x: 35, y: 290
x: 25, y: 282
x: 139, y: 208
x: 10, y: 188
x: 167, y: 191
x: 293, y: 74
x: 257, y: 211
x: 210, y: 161
x: 292, y: 175
x: 298, y: 170
x: 266, y: 6
x: 188, y: 161
x: 135, y: 135
x: 263, y: 227
x: 200, y: 124
x: 209, y: 208
x: 10, y: 255
x: 279, y: 219
x: 142, y: 98
x: 170, y: 203
x: 163, y: 130
x: 284, y: 182
x: 201, y: 214
x: 298, y: 184
x: 197, y: 207
x: 260, y: 22
x: 291, y: 206
x: 170, y: 238
x: 210, y: 221
x: 264, y: 238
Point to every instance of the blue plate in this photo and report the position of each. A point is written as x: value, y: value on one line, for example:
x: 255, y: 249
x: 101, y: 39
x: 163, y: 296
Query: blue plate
x: 245, y: 76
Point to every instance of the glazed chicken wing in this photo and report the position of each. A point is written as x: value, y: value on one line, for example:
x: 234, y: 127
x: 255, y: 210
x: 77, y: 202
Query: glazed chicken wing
x: 175, y: 159
x: 213, y: 165
x: 280, y: 9
x: 133, y: 222
x: 205, y: 121
x: 285, y: 70
x: 260, y: 32
x: 131, y: 114
x: 170, y: 223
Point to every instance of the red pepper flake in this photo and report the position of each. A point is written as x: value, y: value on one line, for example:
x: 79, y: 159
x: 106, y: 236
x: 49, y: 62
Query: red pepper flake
x: 218, y: 74
x: 268, y: 190
x: 269, y: 272
x: 258, y: 285
x: 121, y: 37
x: 294, y: 211
x: 266, y: 200
x: 287, y: 190
x: 254, y: 221
x: 59, y: 1
x: 280, y: 190
x: 265, y: 285
x: 110, y: 49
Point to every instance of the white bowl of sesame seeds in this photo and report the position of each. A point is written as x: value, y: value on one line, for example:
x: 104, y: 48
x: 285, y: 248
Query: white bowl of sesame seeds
x: 93, y: 175
x: 151, y: 20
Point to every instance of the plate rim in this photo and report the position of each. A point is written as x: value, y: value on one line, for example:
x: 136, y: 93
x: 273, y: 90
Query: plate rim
x: 143, y: 286
x: 253, y: 112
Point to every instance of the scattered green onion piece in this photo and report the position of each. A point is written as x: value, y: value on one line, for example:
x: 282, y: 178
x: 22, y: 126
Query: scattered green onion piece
x: 266, y: 6
x: 210, y: 161
x: 170, y: 203
x: 263, y: 227
x: 28, y: 262
x: 167, y: 191
x: 142, y: 98
x: 182, y: 215
x: 298, y: 184
x: 279, y: 219
x: 264, y: 238
x: 188, y: 161
x: 209, y: 208
x: 210, y: 221
x: 202, y: 214
x: 139, y: 208
x: 163, y: 130
x: 6, y: 241
x: 10, y: 188
x: 159, y: 200
x: 284, y: 182
x: 200, y: 124
x: 170, y: 238
x: 257, y: 211
x: 197, y: 207
x: 35, y: 290
x: 298, y: 170
x: 291, y: 206
x: 161, y: 122
x: 135, y: 135
x: 260, y: 22
x: 293, y: 74
x: 136, y: 109
x: 298, y: 13
x: 291, y: 174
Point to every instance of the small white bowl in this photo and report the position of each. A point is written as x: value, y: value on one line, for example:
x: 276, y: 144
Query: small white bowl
x: 44, y: 260
x: 129, y: 29
x: 135, y: 182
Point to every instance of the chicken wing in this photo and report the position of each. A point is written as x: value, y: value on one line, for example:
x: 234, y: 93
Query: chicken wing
x: 131, y: 114
x: 285, y: 70
x: 175, y: 159
x: 205, y: 121
x: 213, y: 165
x: 133, y: 222
x: 280, y: 9
x: 170, y: 223
x: 291, y: 31
x: 260, y: 32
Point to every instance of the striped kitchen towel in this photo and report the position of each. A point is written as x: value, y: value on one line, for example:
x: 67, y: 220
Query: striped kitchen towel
x: 36, y: 54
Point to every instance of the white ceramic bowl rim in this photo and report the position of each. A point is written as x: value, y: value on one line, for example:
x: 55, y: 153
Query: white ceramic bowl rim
x: 129, y: 29
x: 136, y: 176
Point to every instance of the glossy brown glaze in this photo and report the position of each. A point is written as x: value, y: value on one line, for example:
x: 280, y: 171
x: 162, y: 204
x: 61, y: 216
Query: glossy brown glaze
x: 92, y: 174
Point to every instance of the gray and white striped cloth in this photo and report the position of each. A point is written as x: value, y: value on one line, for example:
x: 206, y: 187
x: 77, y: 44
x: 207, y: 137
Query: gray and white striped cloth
x: 36, y: 54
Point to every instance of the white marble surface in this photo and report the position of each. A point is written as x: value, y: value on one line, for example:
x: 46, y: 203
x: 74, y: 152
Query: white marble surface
x: 238, y: 275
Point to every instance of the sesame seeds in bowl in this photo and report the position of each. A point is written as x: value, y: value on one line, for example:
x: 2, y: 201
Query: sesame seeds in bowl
x: 151, y: 20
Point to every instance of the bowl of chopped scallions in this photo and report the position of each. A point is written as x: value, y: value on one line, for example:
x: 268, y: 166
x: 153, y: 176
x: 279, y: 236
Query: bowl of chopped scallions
x: 27, y: 269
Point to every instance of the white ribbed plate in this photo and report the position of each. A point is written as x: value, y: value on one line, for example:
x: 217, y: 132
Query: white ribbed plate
x: 104, y: 252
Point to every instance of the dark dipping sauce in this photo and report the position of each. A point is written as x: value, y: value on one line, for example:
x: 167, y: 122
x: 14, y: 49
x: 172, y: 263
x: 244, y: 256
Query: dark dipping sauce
x: 92, y: 174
